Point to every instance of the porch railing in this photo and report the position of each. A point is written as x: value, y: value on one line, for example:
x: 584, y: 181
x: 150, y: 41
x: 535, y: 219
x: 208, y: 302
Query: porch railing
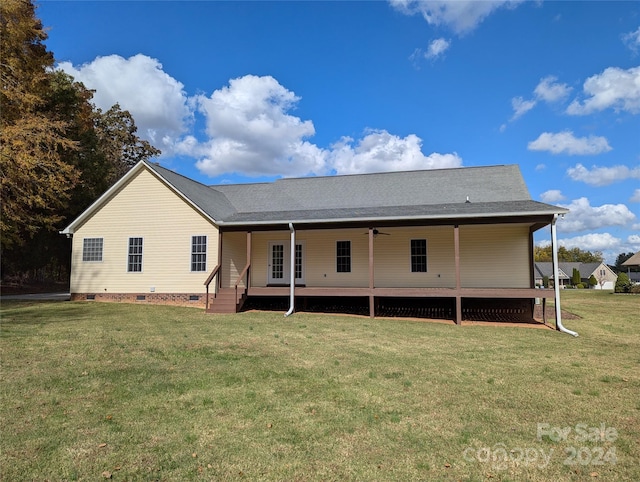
x: 208, y: 282
x: 243, y: 274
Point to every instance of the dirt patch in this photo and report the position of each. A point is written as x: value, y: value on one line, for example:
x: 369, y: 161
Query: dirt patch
x: 551, y: 313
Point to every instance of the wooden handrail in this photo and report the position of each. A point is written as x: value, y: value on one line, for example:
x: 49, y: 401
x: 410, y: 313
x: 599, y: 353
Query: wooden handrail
x: 242, y: 273
x: 212, y: 275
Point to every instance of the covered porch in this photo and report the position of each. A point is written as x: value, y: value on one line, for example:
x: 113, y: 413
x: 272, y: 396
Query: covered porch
x: 467, y: 268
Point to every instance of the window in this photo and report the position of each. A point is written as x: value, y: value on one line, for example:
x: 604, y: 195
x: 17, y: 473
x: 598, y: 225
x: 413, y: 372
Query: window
x: 418, y: 255
x: 92, y: 249
x: 198, y: 253
x: 343, y: 256
x: 298, y: 265
x: 134, y: 263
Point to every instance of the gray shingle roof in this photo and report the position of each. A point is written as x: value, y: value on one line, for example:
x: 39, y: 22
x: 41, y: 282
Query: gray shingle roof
x: 431, y: 194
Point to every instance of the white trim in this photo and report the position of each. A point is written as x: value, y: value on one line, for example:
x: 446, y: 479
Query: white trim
x: 129, y: 238
x: 206, y: 253
x: 286, y: 261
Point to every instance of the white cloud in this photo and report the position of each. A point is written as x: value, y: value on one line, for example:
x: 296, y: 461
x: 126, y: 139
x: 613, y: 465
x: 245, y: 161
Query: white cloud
x: 583, y: 216
x: 156, y: 100
x: 541, y: 167
x: 614, y: 88
x: 551, y: 91
x: 602, y: 176
x: 632, y: 40
x: 250, y: 131
x: 633, y: 241
x: 461, y: 16
x: 437, y: 48
x: 566, y: 143
x: 521, y: 107
x: 379, y: 151
x: 591, y: 242
x: 547, y: 90
x: 552, y: 196
x: 635, y: 197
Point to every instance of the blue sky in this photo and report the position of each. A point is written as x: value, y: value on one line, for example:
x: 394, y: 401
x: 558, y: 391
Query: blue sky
x: 252, y: 91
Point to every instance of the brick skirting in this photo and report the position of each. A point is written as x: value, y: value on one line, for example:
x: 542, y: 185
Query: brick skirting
x: 174, y: 299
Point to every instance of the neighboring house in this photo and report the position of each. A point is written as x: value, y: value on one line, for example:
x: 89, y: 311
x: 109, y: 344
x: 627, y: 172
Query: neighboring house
x: 633, y: 262
x: 605, y: 276
x: 461, y: 236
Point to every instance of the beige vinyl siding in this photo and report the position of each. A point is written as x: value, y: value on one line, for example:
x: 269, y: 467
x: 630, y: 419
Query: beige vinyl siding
x: 145, y: 207
x: 495, y: 256
x: 319, y: 256
x: 392, y: 255
x: 234, y: 257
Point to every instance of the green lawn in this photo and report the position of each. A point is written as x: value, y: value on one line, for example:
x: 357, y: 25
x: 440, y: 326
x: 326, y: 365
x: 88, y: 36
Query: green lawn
x: 137, y: 392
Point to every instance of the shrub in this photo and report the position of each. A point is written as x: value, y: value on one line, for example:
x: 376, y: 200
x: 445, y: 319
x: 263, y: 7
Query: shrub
x: 580, y: 286
x: 592, y: 281
x: 575, y: 277
x: 635, y: 289
x: 545, y: 281
x: 623, y: 284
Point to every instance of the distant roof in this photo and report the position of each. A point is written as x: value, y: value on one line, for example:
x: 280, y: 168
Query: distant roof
x: 633, y: 260
x: 457, y: 193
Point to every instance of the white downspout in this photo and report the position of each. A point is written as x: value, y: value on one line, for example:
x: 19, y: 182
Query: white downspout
x: 292, y: 274
x: 556, y: 278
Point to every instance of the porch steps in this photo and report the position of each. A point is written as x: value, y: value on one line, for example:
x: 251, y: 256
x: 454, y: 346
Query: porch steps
x: 226, y: 301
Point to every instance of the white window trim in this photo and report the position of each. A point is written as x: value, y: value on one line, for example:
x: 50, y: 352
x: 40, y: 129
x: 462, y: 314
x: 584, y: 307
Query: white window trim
x: 142, y: 255
x: 206, y: 253
x: 101, y: 260
x: 350, y: 256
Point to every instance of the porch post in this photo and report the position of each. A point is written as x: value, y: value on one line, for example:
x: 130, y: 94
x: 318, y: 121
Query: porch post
x: 248, y: 263
x: 556, y: 274
x: 219, y: 280
x: 456, y: 247
x: 371, y: 276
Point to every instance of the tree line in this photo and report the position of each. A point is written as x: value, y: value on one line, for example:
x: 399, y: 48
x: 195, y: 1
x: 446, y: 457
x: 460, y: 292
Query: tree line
x: 58, y: 151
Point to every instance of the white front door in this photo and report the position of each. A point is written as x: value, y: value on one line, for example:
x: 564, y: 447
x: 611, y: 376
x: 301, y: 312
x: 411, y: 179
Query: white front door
x: 280, y: 262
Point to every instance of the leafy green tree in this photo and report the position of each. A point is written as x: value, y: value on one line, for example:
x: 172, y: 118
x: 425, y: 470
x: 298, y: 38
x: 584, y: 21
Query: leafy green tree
x: 623, y: 284
x: 575, y: 277
x: 621, y: 258
x: 592, y: 281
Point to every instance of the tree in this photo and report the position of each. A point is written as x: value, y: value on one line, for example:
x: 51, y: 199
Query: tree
x: 575, y: 255
x: 592, y: 281
x: 58, y: 152
x: 575, y: 277
x: 621, y: 258
x: 623, y: 284
x: 35, y: 181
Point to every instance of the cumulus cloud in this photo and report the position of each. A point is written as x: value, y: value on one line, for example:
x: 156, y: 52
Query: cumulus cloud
x: 583, y: 216
x: 157, y: 101
x: 549, y: 90
x: 634, y: 240
x: 591, y: 242
x: 552, y: 196
x: 379, y: 151
x: 566, y: 143
x: 614, y: 88
x: 635, y: 197
x: 632, y: 40
x: 461, y: 16
x: 437, y: 48
x: 521, y: 107
x: 602, y: 176
x: 251, y: 130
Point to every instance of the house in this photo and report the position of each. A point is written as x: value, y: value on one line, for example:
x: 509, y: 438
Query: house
x: 633, y: 262
x: 459, y: 238
x: 604, y: 275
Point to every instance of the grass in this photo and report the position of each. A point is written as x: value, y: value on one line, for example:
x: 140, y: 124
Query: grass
x: 137, y: 392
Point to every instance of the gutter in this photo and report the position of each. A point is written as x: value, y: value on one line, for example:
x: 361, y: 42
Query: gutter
x: 292, y: 273
x: 556, y: 280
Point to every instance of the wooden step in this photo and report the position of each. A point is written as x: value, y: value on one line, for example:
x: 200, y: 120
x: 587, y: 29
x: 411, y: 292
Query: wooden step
x: 226, y: 301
